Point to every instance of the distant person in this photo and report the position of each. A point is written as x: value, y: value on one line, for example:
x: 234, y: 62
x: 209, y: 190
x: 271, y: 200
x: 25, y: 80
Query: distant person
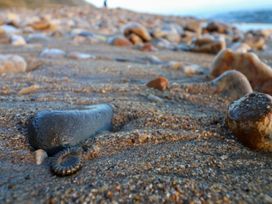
x: 105, y: 4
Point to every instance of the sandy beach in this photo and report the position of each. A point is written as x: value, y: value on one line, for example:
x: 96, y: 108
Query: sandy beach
x: 169, y: 146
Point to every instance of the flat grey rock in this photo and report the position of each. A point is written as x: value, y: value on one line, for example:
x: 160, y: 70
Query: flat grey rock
x: 53, y: 130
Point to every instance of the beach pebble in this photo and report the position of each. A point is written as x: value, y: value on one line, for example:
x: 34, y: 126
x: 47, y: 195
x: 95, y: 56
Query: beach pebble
x: 37, y: 38
x: 232, y: 84
x: 135, y: 39
x: 187, y: 69
x: 29, y: 90
x: 208, y: 44
x: 255, y: 41
x: 171, y: 32
x: 40, y: 156
x: 9, y: 29
x: 80, y: 56
x: 143, y: 138
x: 119, y: 41
x: 52, y: 53
x: 53, y: 130
x: 193, y: 69
x: 258, y: 73
x: 187, y: 37
x: 12, y: 19
x: 41, y: 25
x: 137, y: 29
x: 17, y: 40
x: 218, y: 27
x: 240, y: 47
x: 33, y: 63
x: 250, y: 120
x: 147, y: 47
x: 265, y: 33
x: 160, y: 83
x: 163, y: 44
x: 151, y: 59
x: 12, y: 64
x: 154, y: 98
x: 4, y: 38
x: 194, y: 26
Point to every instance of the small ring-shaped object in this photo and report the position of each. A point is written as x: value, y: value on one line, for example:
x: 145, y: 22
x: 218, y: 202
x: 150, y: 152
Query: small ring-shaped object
x: 67, y: 161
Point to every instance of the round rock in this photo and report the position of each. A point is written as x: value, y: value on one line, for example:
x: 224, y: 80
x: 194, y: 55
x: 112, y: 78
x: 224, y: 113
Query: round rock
x: 136, y: 29
x: 12, y: 64
x: 250, y: 120
x: 56, y: 129
x: 232, y: 84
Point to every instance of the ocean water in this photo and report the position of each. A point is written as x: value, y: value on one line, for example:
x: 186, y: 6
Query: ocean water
x: 247, y: 20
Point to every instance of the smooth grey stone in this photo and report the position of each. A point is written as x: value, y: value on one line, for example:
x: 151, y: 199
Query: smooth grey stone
x: 53, y: 130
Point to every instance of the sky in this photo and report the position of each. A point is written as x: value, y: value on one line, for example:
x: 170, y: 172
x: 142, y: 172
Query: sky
x: 187, y: 7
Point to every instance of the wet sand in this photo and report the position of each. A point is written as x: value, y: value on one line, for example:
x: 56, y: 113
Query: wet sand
x: 175, y: 149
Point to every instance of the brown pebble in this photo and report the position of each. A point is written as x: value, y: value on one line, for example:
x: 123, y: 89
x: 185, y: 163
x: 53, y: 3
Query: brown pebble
x: 120, y: 41
x: 28, y: 90
x: 250, y: 120
x: 137, y: 29
x: 232, y: 84
x: 148, y: 47
x: 160, y: 83
x: 135, y: 39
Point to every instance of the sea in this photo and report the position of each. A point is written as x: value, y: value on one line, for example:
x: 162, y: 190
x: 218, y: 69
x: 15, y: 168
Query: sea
x: 246, y: 20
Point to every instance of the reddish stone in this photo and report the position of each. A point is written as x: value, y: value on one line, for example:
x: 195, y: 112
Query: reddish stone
x: 148, y: 48
x: 160, y: 83
x: 120, y: 42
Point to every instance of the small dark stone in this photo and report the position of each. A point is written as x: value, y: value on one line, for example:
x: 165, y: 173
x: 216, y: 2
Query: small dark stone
x: 54, y: 130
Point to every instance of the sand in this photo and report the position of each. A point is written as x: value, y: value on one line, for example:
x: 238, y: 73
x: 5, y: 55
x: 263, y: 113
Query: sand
x: 171, y: 149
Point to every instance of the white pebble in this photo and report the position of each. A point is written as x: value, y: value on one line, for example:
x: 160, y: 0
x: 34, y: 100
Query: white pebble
x: 40, y: 156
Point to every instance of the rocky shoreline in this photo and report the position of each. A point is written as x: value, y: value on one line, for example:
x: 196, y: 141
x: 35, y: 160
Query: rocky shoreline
x: 170, y: 81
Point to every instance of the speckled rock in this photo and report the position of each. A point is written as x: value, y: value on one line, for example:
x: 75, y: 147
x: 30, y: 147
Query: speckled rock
x: 53, y: 130
x: 137, y: 29
x: 258, y: 73
x: 160, y: 83
x: 250, y: 120
x: 12, y: 64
